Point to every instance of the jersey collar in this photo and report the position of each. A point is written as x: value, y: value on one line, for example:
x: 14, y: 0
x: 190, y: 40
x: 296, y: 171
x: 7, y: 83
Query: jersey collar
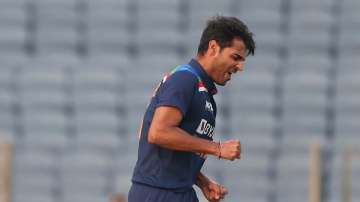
x: 209, y: 83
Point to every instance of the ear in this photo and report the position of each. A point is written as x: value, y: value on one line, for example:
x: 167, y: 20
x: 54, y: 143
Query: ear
x: 214, y: 48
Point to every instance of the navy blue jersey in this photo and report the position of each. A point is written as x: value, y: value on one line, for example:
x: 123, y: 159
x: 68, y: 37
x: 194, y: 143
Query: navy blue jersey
x: 191, y: 90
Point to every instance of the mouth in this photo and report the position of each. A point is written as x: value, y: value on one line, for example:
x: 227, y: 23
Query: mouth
x: 228, y: 75
x: 230, y: 72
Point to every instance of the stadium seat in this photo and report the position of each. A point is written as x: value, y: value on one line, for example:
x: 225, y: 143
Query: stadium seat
x: 198, y: 9
x: 38, y: 197
x: 312, y: 63
x: 347, y: 99
x: 13, y: 59
x: 84, y: 173
x: 13, y: 35
x: 261, y: 18
x: 251, y: 94
x: 12, y: 13
x: 295, y: 167
x: 314, y: 21
x: 198, y: 13
x: 348, y: 40
x: 124, y: 163
x: 32, y: 184
x: 108, y: 27
x: 57, y: 23
x: 339, y: 166
x: 322, y: 5
x: 57, y: 41
x: 86, y: 197
x: 273, y: 5
x: 248, y: 183
x: 157, y: 44
x: 102, y: 122
x: 32, y: 160
x: 12, y: 40
x: 158, y: 13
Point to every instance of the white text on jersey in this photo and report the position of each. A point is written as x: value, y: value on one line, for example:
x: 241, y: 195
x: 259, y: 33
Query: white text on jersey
x: 205, y: 128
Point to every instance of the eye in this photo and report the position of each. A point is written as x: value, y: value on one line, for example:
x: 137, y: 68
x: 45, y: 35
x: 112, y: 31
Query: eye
x: 237, y: 57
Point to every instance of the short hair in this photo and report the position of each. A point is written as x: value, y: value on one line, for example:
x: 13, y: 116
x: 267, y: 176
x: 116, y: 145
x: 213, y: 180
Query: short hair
x: 223, y: 30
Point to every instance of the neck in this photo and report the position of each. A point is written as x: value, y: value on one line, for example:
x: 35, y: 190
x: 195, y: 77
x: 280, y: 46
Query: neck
x: 205, y: 63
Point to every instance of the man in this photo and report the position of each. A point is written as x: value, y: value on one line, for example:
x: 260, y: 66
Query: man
x: 177, y: 130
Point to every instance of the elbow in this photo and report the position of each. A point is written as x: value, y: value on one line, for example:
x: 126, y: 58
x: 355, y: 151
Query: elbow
x: 152, y: 136
x: 157, y: 135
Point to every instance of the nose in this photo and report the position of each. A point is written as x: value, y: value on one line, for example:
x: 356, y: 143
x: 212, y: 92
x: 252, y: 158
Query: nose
x: 240, y: 66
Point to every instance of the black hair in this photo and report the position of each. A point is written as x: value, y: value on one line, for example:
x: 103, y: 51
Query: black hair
x: 223, y: 30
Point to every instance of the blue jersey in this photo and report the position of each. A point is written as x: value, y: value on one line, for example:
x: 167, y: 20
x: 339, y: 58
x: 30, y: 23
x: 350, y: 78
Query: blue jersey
x: 191, y: 90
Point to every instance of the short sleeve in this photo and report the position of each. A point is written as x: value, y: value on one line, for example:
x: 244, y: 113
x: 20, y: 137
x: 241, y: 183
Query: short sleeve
x: 177, y: 91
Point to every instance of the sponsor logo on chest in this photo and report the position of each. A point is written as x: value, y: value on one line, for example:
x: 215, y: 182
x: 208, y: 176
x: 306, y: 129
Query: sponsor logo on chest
x: 205, y: 128
x: 208, y: 106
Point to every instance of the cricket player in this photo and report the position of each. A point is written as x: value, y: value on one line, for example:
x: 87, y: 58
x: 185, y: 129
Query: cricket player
x: 178, y: 126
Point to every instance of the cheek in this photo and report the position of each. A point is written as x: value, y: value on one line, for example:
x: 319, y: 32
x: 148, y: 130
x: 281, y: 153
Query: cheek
x: 223, y: 67
x: 224, y: 63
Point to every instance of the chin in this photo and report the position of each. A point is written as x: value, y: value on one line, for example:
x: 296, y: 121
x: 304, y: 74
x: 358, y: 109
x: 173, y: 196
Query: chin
x: 223, y: 83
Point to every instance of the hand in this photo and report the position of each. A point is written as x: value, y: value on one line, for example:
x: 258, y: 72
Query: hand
x: 230, y: 150
x: 214, y: 192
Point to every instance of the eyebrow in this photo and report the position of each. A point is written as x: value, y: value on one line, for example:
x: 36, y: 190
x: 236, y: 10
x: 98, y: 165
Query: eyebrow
x: 238, y: 56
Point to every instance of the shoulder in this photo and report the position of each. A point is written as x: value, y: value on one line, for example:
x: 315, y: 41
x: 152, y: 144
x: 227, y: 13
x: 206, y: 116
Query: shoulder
x: 181, y: 78
x: 177, y: 90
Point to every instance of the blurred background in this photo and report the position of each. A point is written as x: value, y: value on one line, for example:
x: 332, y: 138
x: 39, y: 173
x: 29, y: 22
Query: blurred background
x: 76, y: 76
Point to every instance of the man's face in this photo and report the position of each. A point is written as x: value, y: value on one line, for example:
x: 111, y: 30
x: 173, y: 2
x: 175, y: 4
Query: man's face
x: 228, y: 61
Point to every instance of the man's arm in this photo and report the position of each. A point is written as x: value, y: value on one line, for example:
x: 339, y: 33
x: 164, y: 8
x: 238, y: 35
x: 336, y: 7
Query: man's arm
x: 211, y: 190
x: 202, y: 180
x: 165, y: 132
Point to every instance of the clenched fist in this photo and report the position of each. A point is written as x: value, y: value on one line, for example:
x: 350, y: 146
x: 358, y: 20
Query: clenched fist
x: 230, y: 150
x: 214, y: 192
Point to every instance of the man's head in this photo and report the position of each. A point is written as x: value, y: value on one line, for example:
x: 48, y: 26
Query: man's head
x: 224, y: 45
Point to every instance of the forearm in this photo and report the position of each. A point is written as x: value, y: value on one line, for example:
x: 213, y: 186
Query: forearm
x: 177, y: 139
x: 201, y: 180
